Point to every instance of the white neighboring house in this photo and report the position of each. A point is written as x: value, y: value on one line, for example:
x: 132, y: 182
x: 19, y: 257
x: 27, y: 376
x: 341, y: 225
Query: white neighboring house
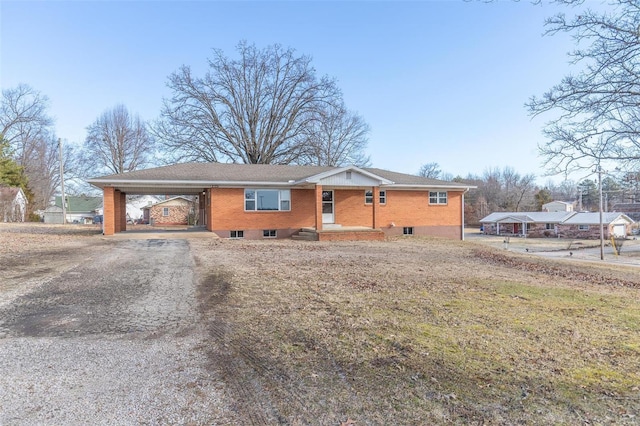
x: 13, y: 204
x: 557, y: 206
x: 136, y: 205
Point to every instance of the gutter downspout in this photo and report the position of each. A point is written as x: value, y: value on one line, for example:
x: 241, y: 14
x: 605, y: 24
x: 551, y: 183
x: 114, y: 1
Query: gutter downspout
x: 462, y: 224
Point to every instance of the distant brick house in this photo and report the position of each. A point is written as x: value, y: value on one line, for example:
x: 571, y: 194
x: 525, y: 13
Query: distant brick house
x: 557, y: 224
x: 276, y: 201
x: 13, y: 204
x: 173, y: 211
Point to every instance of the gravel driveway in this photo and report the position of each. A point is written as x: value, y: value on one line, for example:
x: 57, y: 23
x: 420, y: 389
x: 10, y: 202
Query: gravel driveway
x: 114, y: 340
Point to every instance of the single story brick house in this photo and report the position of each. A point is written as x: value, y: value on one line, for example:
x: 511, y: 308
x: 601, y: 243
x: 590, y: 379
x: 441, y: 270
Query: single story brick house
x: 556, y: 224
x: 172, y: 211
x: 257, y: 201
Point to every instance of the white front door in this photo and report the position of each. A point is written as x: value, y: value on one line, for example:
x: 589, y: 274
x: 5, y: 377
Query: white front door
x: 327, y: 207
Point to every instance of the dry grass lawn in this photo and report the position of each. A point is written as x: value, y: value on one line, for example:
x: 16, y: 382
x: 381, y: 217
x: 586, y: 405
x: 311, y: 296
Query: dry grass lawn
x: 421, y: 331
x: 406, y: 331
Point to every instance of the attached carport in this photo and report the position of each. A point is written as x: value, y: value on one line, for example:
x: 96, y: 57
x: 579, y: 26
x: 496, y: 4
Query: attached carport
x: 115, y: 197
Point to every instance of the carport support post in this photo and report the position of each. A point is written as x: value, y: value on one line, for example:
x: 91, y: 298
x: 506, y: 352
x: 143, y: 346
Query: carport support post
x: 123, y: 211
x: 109, y: 209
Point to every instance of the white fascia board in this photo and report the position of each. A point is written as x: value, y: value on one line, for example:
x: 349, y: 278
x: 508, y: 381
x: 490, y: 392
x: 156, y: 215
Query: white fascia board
x: 408, y: 187
x: 185, y: 183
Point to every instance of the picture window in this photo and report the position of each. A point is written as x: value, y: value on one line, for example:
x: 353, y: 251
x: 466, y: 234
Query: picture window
x: 267, y: 200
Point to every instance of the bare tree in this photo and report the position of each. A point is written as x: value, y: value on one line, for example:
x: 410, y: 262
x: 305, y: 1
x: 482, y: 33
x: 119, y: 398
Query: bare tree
x: 430, y: 170
x: 337, y: 138
x: 255, y: 109
x: 25, y: 125
x: 23, y: 118
x: 596, y: 112
x: 116, y: 143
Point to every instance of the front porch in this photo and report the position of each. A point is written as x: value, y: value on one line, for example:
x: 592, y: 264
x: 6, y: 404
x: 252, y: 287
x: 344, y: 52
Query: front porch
x: 333, y: 232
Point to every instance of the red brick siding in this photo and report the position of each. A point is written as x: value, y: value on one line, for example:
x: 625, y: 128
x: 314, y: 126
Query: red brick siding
x: 178, y: 213
x: 349, y: 208
x: 227, y: 212
x: 109, y: 217
x: 412, y: 208
x: 351, y: 236
x: 404, y: 208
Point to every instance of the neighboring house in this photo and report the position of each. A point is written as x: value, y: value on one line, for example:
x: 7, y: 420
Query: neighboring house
x: 556, y: 224
x: 587, y: 225
x: 136, y: 207
x: 173, y: 211
x: 13, y: 204
x: 277, y: 201
x: 78, y: 210
x: 557, y: 206
x: 533, y: 224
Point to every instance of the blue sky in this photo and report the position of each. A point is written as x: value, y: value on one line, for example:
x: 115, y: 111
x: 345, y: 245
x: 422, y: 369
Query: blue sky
x: 437, y: 81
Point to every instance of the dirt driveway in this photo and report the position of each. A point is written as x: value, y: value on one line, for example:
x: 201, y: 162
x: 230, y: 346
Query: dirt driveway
x: 104, y: 333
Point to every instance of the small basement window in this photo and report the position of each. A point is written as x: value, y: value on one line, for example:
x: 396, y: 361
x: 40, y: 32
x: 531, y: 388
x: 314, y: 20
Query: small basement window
x: 269, y: 233
x: 407, y: 230
x: 165, y: 211
x: 583, y: 227
x: 236, y: 234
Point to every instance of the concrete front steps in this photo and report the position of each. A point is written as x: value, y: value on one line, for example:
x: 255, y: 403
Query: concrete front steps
x: 340, y: 233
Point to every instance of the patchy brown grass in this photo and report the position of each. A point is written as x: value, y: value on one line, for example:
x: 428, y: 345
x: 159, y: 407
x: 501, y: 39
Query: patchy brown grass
x: 421, y: 331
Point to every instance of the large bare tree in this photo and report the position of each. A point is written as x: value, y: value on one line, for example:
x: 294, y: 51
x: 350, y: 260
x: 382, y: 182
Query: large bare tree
x: 338, y: 137
x: 23, y: 118
x: 595, y: 112
x: 27, y: 128
x: 257, y: 108
x: 117, y: 142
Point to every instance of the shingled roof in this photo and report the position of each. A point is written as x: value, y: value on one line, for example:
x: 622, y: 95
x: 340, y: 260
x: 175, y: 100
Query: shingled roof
x: 207, y: 174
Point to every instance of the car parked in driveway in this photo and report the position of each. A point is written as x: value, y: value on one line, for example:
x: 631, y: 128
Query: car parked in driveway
x: 97, y: 219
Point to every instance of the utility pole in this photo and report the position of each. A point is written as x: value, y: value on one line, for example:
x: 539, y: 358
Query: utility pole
x: 64, y: 199
x: 599, y: 171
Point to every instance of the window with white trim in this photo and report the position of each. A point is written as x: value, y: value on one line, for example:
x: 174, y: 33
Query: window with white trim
x: 368, y: 197
x: 236, y: 234
x: 407, y: 230
x: 165, y: 211
x: 269, y: 233
x: 437, y: 197
x: 549, y: 226
x: 583, y: 227
x: 267, y: 200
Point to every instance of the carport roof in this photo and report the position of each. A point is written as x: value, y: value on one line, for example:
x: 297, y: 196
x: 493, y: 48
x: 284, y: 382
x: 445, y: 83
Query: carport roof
x: 191, y: 178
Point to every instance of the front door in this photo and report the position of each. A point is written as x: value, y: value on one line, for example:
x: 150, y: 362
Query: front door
x: 327, y: 207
